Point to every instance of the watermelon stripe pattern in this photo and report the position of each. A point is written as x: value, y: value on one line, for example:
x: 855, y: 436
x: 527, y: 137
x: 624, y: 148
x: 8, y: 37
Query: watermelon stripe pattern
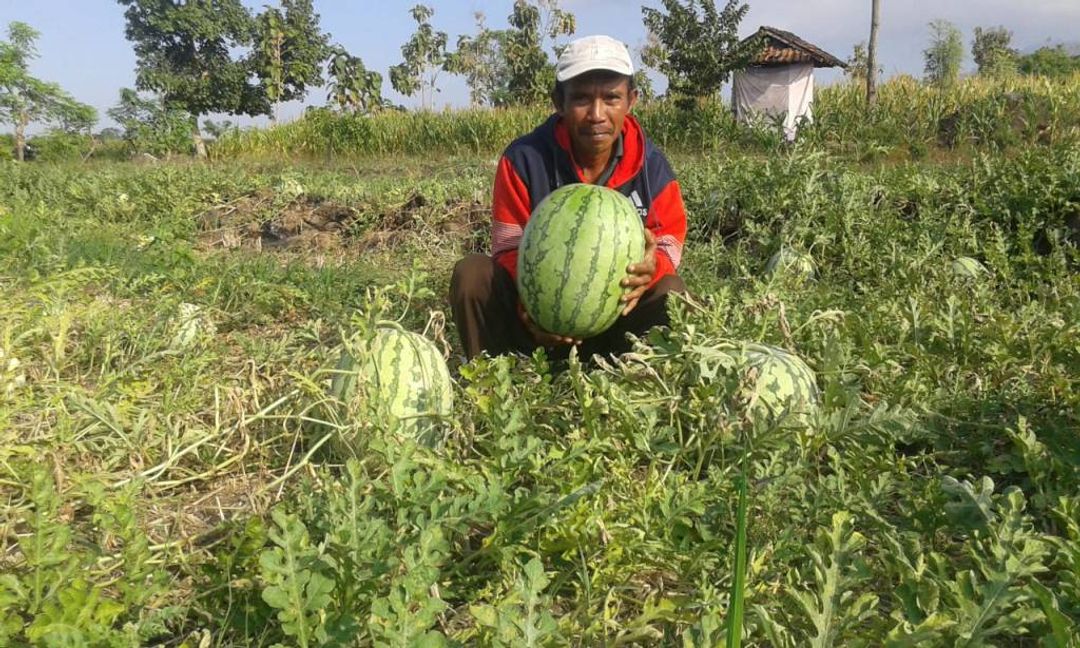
x: 791, y: 263
x: 574, y: 252
x: 785, y: 385
x: 968, y: 268
x: 402, y: 379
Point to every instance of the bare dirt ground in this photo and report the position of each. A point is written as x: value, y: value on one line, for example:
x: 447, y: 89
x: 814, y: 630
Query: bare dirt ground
x: 312, y: 224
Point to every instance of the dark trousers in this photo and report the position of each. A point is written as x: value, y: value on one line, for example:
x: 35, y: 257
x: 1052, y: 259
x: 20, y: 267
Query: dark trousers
x: 483, y: 299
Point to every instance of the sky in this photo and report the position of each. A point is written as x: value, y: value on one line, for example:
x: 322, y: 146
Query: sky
x: 82, y: 45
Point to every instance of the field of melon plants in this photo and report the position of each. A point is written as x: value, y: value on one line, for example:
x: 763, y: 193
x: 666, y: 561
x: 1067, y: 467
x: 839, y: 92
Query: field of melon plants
x: 167, y: 334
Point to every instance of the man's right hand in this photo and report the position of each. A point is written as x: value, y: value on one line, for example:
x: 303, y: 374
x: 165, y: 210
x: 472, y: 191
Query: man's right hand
x: 542, y: 337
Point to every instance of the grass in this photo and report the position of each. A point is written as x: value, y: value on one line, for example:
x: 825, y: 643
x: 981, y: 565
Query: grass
x: 163, y: 479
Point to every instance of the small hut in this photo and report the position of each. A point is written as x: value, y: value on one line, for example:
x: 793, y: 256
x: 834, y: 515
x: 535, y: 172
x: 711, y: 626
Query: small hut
x: 779, y: 82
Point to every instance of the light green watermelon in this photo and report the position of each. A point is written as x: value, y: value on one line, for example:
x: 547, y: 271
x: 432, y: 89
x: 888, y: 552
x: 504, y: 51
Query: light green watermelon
x: 792, y: 263
x: 968, y: 268
x: 573, y: 254
x: 399, y: 377
x: 784, y: 385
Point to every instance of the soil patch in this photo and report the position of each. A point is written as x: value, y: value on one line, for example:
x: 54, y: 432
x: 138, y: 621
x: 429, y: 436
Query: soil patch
x: 263, y: 222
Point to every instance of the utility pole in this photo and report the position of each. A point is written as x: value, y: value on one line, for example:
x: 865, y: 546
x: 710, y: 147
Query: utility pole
x: 871, y: 55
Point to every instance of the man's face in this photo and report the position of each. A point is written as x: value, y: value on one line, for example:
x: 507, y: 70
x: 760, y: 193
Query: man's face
x: 593, y: 108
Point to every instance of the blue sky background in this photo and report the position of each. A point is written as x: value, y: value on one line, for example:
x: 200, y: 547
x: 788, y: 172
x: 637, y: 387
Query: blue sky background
x: 83, y: 48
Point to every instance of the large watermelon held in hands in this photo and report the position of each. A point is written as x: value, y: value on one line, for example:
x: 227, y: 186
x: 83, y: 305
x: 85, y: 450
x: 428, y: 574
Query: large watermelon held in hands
x: 784, y: 385
x: 573, y: 254
x: 399, y: 377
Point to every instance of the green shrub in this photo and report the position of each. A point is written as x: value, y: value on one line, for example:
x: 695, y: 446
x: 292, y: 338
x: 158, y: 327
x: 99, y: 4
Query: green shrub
x: 58, y: 146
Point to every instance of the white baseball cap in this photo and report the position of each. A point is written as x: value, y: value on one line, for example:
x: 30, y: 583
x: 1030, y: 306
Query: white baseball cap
x: 593, y: 53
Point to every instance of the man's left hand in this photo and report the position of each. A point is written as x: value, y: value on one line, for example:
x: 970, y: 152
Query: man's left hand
x: 640, y: 275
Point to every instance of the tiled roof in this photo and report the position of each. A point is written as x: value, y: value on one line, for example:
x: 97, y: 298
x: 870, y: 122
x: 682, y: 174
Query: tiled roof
x: 782, y: 47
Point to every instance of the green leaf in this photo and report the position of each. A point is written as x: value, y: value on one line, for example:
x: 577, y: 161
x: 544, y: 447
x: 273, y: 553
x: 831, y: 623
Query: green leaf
x: 80, y: 614
x: 485, y: 615
x: 830, y: 607
x: 992, y: 600
x: 1063, y: 631
x: 296, y: 585
x: 973, y: 510
x: 46, y: 550
x: 930, y: 631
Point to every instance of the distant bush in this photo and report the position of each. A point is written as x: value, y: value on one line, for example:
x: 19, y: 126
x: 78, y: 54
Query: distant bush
x: 7, y: 147
x: 58, y: 145
x: 149, y: 127
x: 1050, y: 61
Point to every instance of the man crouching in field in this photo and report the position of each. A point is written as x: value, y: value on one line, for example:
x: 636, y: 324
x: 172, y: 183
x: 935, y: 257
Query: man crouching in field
x: 593, y: 139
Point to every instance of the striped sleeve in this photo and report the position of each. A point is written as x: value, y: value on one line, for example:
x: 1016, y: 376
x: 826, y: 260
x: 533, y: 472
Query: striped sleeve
x: 510, y: 209
x: 667, y: 221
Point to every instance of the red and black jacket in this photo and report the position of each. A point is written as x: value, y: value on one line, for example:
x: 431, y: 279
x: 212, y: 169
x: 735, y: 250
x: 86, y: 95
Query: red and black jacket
x: 536, y: 164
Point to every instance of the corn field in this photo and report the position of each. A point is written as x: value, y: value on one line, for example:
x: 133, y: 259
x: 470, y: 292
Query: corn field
x: 910, y: 120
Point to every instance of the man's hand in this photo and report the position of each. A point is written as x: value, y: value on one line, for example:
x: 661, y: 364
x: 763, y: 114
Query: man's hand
x: 640, y: 275
x: 542, y: 337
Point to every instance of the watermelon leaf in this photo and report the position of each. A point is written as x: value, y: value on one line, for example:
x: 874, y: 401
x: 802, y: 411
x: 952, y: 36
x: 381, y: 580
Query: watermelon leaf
x: 834, y: 605
x: 296, y: 580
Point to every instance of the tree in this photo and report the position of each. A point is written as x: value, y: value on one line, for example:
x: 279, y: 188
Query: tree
x: 150, y: 126
x: 644, y: 86
x: 192, y: 55
x: 944, y: 55
x: 555, y: 22
x: 871, y: 55
x: 527, y: 80
x: 25, y: 99
x: 649, y: 53
x: 218, y: 129
x: 110, y: 134
x: 992, y: 52
x: 425, y: 55
x: 290, y: 51
x: 512, y: 66
x: 857, y: 63
x: 696, y: 46
x: 527, y: 74
x: 1050, y: 61
x: 352, y: 86
x: 480, y: 60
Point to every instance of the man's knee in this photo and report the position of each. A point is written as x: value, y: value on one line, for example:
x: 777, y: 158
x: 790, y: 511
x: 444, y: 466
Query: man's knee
x: 472, y: 277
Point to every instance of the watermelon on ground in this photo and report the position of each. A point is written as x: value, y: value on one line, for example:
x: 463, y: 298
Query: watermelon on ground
x: 399, y: 377
x: 784, y: 386
x: 193, y: 324
x: 790, y: 262
x: 968, y: 268
x: 573, y: 254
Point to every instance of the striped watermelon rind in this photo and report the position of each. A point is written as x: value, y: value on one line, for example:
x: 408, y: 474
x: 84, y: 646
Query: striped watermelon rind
x: 785, y: 387
x: 573, y: 255
x: 790, y: 262
x: 968, y: 268
x: 398, y: 377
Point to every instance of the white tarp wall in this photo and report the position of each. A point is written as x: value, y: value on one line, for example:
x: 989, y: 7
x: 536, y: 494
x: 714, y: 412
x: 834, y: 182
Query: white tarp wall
x: 772, y: 91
